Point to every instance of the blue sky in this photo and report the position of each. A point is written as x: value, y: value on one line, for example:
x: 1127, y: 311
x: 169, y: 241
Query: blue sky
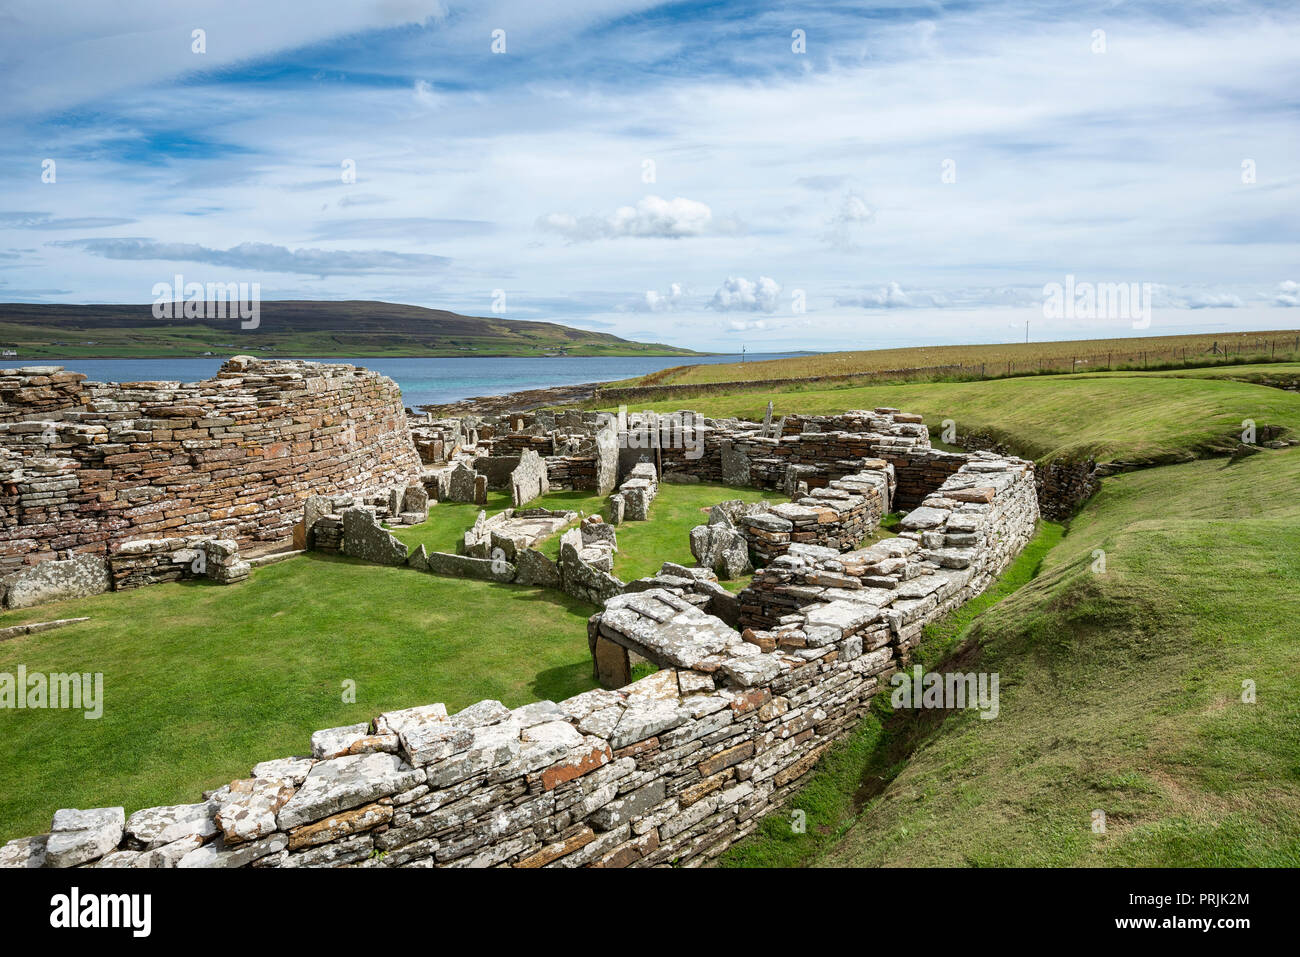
x: 670, y: 172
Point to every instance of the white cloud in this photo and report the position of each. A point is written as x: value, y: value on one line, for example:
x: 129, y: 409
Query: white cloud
x: 656, y: 301
x: 1170, y: 297
x: 886, y: 297
x: 652, y: 217
x: 1288, y: 293
x: 739, y: 294
x: 853, y: 209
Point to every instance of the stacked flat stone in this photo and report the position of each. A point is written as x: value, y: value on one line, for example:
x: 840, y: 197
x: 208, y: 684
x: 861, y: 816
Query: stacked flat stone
x: 949, y: 550
x: 33, y: 390
x: 636, y: 493
x: 92, y: 465
x: 812, y: 449
x: 152, y: 561
x: 838, y: 516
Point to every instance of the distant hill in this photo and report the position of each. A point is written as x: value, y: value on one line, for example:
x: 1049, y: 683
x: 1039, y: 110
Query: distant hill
x: 296, y: 328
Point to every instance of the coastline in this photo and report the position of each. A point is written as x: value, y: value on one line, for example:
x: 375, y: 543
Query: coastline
x: 524, y: 400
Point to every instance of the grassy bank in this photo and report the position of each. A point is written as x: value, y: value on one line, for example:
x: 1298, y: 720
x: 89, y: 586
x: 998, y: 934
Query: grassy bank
x: 877, y: 750
x: 1122, y: 691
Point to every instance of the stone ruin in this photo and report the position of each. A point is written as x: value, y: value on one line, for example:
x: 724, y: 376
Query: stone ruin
x: 122, y: 484
x: 528, y: 480
x: 631, y: 503
x: 670, y: 769
x: 526, y: 454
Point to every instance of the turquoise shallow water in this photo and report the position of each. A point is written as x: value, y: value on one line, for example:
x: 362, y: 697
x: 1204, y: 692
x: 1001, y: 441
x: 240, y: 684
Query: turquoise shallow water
x: 424, y: 380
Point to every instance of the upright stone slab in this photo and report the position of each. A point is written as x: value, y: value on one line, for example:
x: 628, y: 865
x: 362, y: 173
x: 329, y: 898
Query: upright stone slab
x: 735, y: 464
x: 529, y: 479
x: 56, y: 581
x: 415, y: 499
x: 606, y: 458
x: 364, y: 538
x: 461, y: 483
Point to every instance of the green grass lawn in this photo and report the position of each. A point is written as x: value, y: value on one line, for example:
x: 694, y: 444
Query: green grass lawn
x: 203, y: 681
x: 1132, y: 417
x: 444, y: 530
x: 643, y: 547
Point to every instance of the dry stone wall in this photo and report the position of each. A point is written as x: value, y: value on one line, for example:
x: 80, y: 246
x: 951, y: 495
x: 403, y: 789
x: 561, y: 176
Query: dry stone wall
x: 85, y: 466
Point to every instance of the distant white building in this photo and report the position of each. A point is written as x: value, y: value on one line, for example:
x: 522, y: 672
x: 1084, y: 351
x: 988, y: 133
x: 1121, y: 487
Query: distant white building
x: 9, y: 354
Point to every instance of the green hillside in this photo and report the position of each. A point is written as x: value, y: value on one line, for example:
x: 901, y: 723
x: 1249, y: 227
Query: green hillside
x: 297, y: 328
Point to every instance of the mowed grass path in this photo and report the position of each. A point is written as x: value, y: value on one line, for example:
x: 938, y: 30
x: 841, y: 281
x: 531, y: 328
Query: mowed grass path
x: 202, y: 681
x: 1146, y: 418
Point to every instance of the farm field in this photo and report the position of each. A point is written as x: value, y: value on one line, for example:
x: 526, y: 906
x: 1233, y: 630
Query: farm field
x: 998, y: 359
x: 1110, y: 416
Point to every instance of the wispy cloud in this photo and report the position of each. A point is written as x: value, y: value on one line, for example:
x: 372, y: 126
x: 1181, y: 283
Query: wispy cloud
x: 263, y: 257
x: 28, y: 220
